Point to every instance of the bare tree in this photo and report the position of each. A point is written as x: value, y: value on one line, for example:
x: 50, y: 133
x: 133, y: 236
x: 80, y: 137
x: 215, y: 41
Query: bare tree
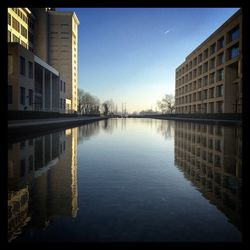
x: 105, y: 108
x: 108, y: 107
x: 87, y: 104
x: 80, y: 100
x: 167, y: 104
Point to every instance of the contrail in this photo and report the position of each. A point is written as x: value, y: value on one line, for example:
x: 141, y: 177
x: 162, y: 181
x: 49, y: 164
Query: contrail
x: 167, y: 31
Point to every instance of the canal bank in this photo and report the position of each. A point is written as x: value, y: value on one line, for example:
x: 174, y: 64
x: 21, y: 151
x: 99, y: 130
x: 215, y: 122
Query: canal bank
x: 219, y: 119
x: 25, y: 127
x: 207, y: 121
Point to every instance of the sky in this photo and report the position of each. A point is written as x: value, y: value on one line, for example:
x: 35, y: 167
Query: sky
x: 130, y: 54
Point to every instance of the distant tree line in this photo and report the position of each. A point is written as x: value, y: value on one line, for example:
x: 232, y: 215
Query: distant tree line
x: 89, y: 104
x: 165, y: 106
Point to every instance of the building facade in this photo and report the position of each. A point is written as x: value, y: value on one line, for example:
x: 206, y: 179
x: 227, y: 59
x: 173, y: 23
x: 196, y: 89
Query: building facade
x: 51, y: 38
x: 33, y: 85
x: 21, y: 27
x: 210, y: 79
x: 63, y: 50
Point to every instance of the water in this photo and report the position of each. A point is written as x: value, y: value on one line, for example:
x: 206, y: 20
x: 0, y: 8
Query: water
x: 127, y: 180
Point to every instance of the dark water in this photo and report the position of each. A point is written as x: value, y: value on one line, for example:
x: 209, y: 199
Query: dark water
x: 127, y: 180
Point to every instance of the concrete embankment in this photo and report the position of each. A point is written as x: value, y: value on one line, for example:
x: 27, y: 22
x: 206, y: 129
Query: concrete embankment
x: 25, y: 127
x: 220, y: 119
x: 211, y: 121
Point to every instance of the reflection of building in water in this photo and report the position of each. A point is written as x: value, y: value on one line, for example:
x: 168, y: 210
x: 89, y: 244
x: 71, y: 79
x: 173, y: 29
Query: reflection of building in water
x: 210, y: 157
x: 18, y: 203
x: 74, y: 172
x: 46, y: 168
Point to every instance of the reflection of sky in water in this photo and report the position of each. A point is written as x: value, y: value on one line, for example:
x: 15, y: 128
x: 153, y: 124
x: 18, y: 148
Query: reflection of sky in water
x: 129, y: 189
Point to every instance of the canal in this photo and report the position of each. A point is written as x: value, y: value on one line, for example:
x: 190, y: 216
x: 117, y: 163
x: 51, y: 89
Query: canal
x: 127, y: 180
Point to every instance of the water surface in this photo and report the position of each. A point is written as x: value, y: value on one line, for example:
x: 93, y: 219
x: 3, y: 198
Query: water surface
x: 127, y: 180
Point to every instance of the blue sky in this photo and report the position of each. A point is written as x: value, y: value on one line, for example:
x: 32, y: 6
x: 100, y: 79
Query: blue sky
x: 130, y: 54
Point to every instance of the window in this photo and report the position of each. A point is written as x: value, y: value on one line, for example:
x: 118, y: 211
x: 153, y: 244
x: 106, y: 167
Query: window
x: 61, y: 102
x: 212, y: 78
x: 211, y: 107
x: 9, y: 19
x: 218, y: 145
x: 30, y: 97
x: 15, y: 39
x: 221, y: 43
x: 219, y: 91
x: 220, y: 75
x: 61, y: 86
x: 205, y: 67
x: 205, y: 81
x: 195, y: 61
x: 218, y: 130
x: 190, y: 65
x: 199, y: 83
x: 217, y: 160
x: 194, y: 73
x: 199, y: 95
x: 212, y: 63
x: 199, y: 109
x: 212, y: 48
x: 205, y: 53
x: 64, y: 87
x: 30, y: 70
x: 199, y: 58
x: 194, y: 97
x: 211, y: 93
x: 234, y: 33
x: 220, y: 59
x: 210, y: 157
x: 204, y: 95
x: 234, y: 51
x: 9, y: 36
x: 23, y: 31
x: 10, y: 94
x: 31, y: 163
x: 15, y: 24
x: 23, y: 44
x: 22, y: 168
x: 10, y: 64
x: 200, y: 70
x: 22, y: 65
x: 22, y: 95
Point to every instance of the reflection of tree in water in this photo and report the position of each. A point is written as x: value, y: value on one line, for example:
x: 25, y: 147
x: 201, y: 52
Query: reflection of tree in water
x: 108, y: 125
x: 88, y: 130
x: 165, y: 128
